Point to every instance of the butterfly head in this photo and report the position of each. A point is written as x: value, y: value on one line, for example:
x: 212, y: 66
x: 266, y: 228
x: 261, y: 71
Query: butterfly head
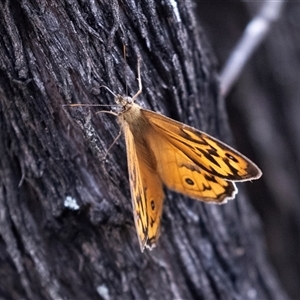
x: 123, y: 100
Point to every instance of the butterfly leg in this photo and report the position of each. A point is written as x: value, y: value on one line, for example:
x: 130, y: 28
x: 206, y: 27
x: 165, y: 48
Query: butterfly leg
x: 113, y: 143
x: 109, y: 148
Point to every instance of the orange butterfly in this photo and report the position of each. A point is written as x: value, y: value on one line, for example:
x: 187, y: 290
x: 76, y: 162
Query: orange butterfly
x: 162, y: 151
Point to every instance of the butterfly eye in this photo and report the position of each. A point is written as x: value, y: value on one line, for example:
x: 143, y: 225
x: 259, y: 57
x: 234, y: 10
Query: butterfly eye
x: 231, y: 157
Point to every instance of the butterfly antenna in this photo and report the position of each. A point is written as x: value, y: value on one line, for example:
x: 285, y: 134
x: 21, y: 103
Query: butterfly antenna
x: 88, y: 105
x: 139, y: 79
x: 125, y: 69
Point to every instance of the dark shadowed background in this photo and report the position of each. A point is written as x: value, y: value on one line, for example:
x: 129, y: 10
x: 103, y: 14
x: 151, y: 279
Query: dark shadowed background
x: 264, y: 107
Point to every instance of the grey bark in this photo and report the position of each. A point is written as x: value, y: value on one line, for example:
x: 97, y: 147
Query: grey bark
x: 57, y: 53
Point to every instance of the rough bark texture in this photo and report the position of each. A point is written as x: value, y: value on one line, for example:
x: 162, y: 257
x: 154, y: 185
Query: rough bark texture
x: 66, y: 221
x: 264, y: 111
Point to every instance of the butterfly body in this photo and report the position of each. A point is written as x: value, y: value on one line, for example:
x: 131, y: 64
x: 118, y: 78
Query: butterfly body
x: 162, y: 151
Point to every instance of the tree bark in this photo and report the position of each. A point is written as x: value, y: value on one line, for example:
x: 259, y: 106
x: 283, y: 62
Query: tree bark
x: 67, y: 228
x: 264, y: 113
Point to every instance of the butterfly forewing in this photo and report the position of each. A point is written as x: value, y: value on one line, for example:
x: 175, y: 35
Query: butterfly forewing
x: 146, y: 191
x: 210, y: 154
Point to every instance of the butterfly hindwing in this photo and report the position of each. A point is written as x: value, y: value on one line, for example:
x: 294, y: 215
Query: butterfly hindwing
x: 182, y: 175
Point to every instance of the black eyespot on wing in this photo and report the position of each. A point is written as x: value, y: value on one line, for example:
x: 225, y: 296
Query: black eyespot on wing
x: 228, y: 155
x: 189, y: 181
x: 152, y: 203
